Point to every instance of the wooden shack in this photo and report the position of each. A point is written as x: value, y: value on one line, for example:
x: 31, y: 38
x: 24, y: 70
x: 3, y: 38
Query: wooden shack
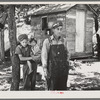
x: 78, y: 24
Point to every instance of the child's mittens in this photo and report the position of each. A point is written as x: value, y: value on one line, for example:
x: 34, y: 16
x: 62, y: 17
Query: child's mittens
x: 35, y: 58
x: 38, y: 53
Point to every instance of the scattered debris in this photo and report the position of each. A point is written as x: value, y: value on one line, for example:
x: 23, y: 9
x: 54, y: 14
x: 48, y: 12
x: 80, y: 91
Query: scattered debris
x: 81, y: 77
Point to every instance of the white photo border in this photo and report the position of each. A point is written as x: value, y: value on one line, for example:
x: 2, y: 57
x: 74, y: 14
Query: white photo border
x: 17, y: 95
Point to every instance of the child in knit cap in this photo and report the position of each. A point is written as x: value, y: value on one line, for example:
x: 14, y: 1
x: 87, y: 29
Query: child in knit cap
x: 29, y: 70
x: 23, y: 50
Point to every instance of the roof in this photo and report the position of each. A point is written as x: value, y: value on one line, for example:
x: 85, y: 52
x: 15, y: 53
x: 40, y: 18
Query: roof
x: 51, y: 9
x: 56, y: 8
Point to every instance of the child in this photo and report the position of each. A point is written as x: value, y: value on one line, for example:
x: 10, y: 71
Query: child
x: 23, y: 50
x: 23, y: 39
x: 35, y: 48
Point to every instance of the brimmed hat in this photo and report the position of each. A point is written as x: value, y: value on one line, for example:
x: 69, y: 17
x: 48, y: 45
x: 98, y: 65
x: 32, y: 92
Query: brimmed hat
x: 22, y: 37
x: 57, y: 24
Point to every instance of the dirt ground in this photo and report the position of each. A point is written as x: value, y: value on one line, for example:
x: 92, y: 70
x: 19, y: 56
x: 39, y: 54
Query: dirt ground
x: 83, y: 76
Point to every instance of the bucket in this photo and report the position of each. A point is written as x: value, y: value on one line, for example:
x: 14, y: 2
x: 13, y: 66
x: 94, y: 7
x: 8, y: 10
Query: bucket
x: 38, y: 77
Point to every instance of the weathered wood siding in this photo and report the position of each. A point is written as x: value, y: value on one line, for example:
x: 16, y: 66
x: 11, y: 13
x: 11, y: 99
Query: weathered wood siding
x: 37, y: 29
x: 71, y: 30
x: 89, y: 34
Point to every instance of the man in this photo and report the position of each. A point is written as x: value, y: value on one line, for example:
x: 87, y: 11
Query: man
x: 55, y: 58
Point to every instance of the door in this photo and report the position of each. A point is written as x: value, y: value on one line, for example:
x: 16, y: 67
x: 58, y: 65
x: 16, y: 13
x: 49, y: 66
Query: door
x: 80, y: 31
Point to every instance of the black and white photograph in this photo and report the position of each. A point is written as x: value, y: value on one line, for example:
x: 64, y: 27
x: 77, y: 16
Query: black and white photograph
x: 51, y: 47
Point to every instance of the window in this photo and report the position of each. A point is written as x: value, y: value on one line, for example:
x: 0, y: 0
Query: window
x: 44, y: 23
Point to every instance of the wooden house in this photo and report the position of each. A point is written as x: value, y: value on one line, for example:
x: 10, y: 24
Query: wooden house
x: 78, y: 21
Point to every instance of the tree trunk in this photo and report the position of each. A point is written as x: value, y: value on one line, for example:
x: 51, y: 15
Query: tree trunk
x: 2, y: 23
x: 2, y: 50
x: 15, y: 72
x: 13, y: 44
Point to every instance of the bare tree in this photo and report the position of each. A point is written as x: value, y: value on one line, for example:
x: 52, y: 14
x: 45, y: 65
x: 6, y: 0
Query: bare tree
x: 13, y: 43
x: 3, y: 16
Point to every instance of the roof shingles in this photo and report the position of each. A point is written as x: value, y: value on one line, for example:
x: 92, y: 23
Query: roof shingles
x: 53, y: 8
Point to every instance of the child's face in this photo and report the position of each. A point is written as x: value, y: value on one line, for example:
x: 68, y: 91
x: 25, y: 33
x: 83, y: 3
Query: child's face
x: 24, y: 42
x: 33, y: 43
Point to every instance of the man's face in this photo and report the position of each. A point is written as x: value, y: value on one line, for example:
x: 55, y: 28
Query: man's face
x: 24, y: 42
x: 57, y: 31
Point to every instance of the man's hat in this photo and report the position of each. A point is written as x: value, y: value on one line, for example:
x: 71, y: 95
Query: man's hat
x: 57, y: 24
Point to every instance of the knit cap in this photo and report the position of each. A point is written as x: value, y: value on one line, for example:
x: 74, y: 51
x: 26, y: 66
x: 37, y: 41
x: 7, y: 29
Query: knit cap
x: 22, y: 37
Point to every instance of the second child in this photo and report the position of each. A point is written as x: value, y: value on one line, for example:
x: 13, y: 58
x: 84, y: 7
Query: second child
x: 35, y: 49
